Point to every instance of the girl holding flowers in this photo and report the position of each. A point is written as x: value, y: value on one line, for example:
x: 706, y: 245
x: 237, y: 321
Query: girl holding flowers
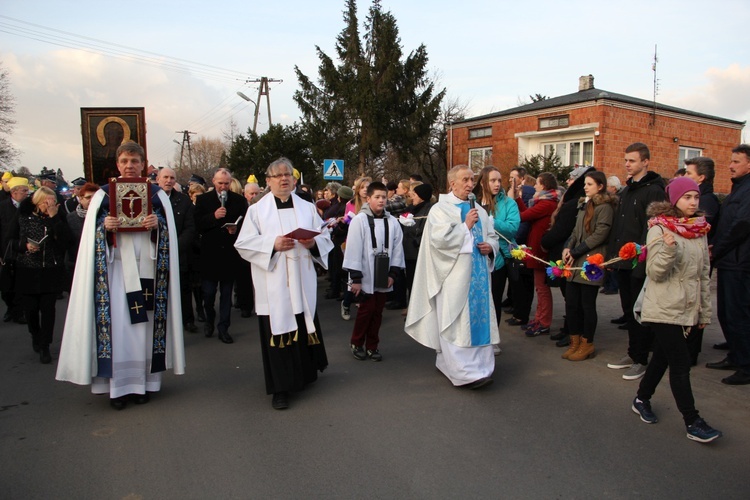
x: 584, y: 249
x: 677, y: 297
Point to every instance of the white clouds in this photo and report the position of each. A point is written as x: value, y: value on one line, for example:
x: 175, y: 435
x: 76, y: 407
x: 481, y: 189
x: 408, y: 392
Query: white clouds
x: 724, y: 93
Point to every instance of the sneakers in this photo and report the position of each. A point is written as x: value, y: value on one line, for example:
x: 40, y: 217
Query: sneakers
x: 496, y: 349
x: 702, y: 432
x: 643, y: 409
x: 538, y: 330
x: 531, y: 325
x: 374, y: 355
x: 621, y: 364
x: 635, y: 372
x: 358, y: 352
x: 346, y: 314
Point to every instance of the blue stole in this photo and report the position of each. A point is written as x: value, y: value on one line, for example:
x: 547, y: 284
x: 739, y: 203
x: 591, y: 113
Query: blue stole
x: 102, y: 297
x: 479, y: 287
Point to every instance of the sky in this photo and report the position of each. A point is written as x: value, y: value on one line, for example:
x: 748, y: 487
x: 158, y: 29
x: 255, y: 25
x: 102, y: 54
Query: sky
x: 192, y: 57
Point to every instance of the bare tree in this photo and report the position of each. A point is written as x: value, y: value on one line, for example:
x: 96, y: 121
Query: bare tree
x: 8, y: 154
x: 206, y: 153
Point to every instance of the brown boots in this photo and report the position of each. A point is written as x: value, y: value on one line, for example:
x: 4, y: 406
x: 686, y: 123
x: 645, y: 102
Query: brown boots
x: 575, y: 341
x: 585, y: 351
x: 579, y: 349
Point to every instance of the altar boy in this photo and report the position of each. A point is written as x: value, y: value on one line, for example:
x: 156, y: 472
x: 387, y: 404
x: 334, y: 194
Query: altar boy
x: 373, y: 255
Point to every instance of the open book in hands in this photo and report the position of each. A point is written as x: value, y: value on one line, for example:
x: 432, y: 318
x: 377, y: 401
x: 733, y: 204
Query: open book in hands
x: 233, y: 224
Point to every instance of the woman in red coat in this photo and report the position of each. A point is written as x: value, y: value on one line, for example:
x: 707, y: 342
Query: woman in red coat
x: 538, y: 215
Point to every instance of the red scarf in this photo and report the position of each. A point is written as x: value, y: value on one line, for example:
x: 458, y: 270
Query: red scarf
x: 687, y: 227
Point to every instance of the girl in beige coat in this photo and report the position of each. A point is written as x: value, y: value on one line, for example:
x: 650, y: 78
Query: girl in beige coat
x: 676, y: 298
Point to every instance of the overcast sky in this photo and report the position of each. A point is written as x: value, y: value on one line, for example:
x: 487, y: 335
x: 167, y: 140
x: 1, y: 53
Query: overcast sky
x: 488, y: 54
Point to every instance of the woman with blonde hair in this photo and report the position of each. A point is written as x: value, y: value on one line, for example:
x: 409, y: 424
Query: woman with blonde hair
x: 40, y: 266
x: 360, y: 194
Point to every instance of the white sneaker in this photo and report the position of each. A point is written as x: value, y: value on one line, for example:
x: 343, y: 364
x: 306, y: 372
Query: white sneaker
x: 621, y: 364
x: 496, y: 349
x: 345, y: 313
x: 635, y: 372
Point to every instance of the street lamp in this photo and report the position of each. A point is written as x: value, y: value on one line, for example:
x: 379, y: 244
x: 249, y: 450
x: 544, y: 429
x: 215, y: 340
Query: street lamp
x: 255, y: 115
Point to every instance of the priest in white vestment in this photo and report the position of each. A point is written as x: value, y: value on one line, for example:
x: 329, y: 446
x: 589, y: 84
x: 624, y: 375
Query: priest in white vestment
x: 285, y: 282
x: 123, y: 327
x: 451, y: 309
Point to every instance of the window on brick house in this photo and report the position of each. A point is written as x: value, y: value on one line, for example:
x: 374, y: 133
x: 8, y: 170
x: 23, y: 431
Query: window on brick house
x: 572, y: 153
x: 554, y: 122
x: 687, y: 152
x: 477, y: 133
x: 479, y: 158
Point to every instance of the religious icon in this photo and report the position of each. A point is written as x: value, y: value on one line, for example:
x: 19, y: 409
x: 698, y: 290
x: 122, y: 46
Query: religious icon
x: 104, y: 129
x: 130, y: 202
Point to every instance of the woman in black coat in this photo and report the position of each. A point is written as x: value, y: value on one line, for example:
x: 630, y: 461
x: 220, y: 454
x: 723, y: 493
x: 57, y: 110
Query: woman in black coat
x: 40, y: 267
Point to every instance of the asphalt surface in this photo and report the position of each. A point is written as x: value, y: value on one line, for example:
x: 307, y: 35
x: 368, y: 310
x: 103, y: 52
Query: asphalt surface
x: 546, y: 428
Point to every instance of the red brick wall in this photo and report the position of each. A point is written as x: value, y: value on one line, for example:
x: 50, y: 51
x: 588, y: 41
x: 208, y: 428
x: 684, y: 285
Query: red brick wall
x: 618, y: 128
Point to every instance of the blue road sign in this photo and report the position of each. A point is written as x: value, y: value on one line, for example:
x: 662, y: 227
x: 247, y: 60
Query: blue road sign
x: 333, y: 170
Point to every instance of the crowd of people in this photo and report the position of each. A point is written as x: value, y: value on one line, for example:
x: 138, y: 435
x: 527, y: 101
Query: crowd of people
x: 452, y: 263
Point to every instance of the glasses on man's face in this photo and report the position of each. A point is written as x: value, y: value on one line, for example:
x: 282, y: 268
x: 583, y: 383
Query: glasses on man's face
x: 279, y: 176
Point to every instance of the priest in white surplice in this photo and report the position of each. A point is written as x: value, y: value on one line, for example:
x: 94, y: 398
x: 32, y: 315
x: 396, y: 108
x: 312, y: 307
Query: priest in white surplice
x: 124, y: 323
x: 285, y: 282
x: 451, y: 309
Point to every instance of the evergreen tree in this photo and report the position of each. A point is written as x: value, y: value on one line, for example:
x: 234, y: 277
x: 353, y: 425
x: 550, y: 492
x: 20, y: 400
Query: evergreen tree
x: 371, y: 104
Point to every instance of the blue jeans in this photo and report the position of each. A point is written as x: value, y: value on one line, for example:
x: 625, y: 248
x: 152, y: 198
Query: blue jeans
x: 209, y: 288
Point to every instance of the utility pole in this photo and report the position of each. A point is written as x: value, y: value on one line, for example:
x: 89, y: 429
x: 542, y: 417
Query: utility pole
x: 656, y: 87
x: 263, y: 91
x: 186, y: 140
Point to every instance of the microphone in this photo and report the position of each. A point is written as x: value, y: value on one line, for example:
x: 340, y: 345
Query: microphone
x: 472, y: 201
x: 223, y: 198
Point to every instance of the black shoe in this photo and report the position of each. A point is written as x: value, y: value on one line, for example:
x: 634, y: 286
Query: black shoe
x: 563, y: 342
x: 44, y: 356
x: 358, y: 352
x: 246, y: 313
x: 506, y: 303
x: 280, y: 401
x: 374, y: 355
x: 623, y: 327
x: 740, y: 377
x: 119, y: 403
x: 140, y: 399
x: 619, y: 321
x: 558, y: 336
x: 516, y: 322
x: 200, y: 317
x: 722, y: 346
x: 724, y: 364
x: 508, y: 309
x: 477, y: 384
x: 8, y: 317
x: 208, y: 329
x: 190, y: 327
x: 225, y: 337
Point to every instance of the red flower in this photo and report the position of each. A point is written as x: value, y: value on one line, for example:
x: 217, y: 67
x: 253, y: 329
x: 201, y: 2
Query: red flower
x: 597, y: 259
x: 628, y: 251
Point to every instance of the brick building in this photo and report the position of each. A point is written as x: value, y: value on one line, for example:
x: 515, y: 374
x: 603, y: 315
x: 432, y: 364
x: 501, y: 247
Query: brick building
x: 593, y: 127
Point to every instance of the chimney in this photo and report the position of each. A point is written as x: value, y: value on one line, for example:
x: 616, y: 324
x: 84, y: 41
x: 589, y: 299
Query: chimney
x: 585, y: 83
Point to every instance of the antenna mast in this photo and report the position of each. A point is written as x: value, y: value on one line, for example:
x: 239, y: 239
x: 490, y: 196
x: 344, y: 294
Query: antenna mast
x: 656, y: 87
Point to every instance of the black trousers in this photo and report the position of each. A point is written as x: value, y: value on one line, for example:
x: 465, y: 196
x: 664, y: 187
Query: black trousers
x: 523, y: 294
x: 670, y: 350
x: 40, y: 314
x: 225, y: 302
x: 499, y: 278
x: 243, y: 285
x: 640, y: 337
x: 580, y: 309
x: 186, y: 298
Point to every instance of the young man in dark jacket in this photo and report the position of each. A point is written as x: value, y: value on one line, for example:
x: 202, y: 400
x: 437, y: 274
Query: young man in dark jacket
x: 643, y: 188
x: 731, y: 258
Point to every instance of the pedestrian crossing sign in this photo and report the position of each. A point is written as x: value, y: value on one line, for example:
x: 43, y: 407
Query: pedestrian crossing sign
x: 333, y: 170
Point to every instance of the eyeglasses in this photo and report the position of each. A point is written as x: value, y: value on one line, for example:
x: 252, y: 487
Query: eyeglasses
x: 278, y: 176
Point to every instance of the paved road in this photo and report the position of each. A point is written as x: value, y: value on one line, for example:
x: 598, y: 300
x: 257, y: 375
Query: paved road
x: 547, y: 428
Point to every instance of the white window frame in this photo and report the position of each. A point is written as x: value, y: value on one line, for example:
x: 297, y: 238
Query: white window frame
x: 479, y: 133
x: 479, y: 158
x: 687, y: 152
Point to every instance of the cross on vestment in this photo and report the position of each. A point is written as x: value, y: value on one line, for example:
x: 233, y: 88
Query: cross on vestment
x: 137, y: 308
x: 146, y: 294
